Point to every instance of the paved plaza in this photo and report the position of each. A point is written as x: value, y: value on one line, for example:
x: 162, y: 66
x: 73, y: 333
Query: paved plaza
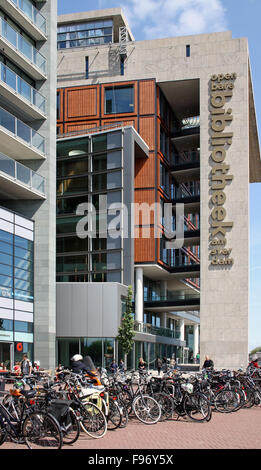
x: 240, y: 430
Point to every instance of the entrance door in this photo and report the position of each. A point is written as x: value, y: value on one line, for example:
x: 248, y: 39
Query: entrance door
x: 6, y: 355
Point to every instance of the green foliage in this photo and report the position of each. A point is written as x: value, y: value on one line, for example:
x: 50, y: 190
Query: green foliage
x: 258, y: 349
x: 126, y: 331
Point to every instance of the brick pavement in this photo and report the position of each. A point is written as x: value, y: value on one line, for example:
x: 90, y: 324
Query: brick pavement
x: 240, y: 430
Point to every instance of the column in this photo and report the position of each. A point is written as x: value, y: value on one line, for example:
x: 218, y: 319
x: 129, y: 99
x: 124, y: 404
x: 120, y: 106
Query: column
x: 182, y: 329
x: 164, y: 320
x: 196, y: 339
x: 139, y: 295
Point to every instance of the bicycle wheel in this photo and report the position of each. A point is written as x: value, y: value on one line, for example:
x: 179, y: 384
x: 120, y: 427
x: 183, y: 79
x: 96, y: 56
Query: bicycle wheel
x: 70, y: 428
x: 41, y: 430
x: 146, y: 409
x: 197, y: 407
x: 166, y: 403
x: 250, y: 397
x: 114, y: 417
x: 124, y: 414
x: 3, y: 432
x: 226, y: 401
x: 92, y: 420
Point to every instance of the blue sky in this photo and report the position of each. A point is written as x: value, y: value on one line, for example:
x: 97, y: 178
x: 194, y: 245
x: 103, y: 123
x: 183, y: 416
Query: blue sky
x: 163, y: 18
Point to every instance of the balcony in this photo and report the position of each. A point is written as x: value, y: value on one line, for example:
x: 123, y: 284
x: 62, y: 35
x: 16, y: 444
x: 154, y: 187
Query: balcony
x: 21, y: 94
x: 187, y: 127
x: 22, y: 52
x: 188, y: 194
x: 172, y: 299
x: 182, y: 261
x: 19, y: 182
x: 185, y: 163
x: 18, y: 140
x: 155, y: 330
x: 29, y: 17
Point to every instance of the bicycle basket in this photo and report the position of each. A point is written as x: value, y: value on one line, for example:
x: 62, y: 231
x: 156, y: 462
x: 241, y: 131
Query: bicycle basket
x: 187, y: 387
x: 59, y: 409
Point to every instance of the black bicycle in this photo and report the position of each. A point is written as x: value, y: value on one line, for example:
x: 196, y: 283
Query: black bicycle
x: 37, y: 429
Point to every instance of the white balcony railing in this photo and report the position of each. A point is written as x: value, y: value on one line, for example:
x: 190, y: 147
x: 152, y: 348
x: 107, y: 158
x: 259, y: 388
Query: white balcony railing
x: 22, y: 174
x: 22, y: 131
x: 22, y: 45
x: 22, y: 88
x: 32, y: 13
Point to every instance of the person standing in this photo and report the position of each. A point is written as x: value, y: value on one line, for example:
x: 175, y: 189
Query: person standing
x: 208, y: 363
x: 158, y: 364
x: 26, y: 366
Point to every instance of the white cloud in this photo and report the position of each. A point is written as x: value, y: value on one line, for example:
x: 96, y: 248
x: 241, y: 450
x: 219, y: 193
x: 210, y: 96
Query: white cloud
x: 163, y: 18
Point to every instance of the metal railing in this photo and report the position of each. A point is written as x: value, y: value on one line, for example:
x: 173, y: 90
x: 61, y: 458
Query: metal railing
x: 155, y: 330
x: 22, y: 45
x: 183, y: 158
x: 22, y: 131
x: 179, y: 258
x: 22, y: 174
x: 32, y: 13
x: 21, y: 87
x: 93, y: 130
x: 185, y: 190
x: 171, y: 296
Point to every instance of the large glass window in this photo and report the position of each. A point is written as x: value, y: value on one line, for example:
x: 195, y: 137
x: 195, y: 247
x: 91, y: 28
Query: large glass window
x: 16, y: 267
x: 119, y: 100
x: 85, y: 34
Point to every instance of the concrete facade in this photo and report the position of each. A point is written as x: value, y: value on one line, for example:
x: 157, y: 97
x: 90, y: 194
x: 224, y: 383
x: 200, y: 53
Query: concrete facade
x: 41, y: 210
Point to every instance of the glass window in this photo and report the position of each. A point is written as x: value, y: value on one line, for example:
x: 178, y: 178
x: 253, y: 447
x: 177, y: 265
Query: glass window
x: 6, y: 270
x: 99, y: 262
x: 72, y: 167
x: 72, y: 263
x: 6, y: 237
x: 99, y: 143
x: 72, y: 244
x: 92, y: 347
x: 119, y: 100
x: 24, y: 327
x: 67, y: 224
x: 72, y: 148
x: 99, y: 162
x: 6, y: 248
x: 72, y: 185
x: 23, y: 243
x: 6, y: 325
x: 69, y: 205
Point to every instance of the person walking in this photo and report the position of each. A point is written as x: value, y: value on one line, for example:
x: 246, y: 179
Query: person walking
x: 158, y: 364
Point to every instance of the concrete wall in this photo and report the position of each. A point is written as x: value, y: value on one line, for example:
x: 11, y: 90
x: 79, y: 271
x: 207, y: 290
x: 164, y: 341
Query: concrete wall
x: 89, y: 310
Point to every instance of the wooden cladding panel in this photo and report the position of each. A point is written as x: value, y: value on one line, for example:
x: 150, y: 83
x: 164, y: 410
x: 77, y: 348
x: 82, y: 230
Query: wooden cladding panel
x: 81, y: 102
x: 144, y: 247
x: 147, y: 97
x: 147, y: 130
x: 144, y: 196
x: 145, y: 172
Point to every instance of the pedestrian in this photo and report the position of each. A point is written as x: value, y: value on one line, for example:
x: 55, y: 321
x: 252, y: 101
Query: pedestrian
x: 158, y: 364
x: 121, y: 366
x: 114, y: 367
x: 198, y: 358
x: 26, y: 366
x: 208, y: 363
x: 164, y: 364
x: 142, y: 365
